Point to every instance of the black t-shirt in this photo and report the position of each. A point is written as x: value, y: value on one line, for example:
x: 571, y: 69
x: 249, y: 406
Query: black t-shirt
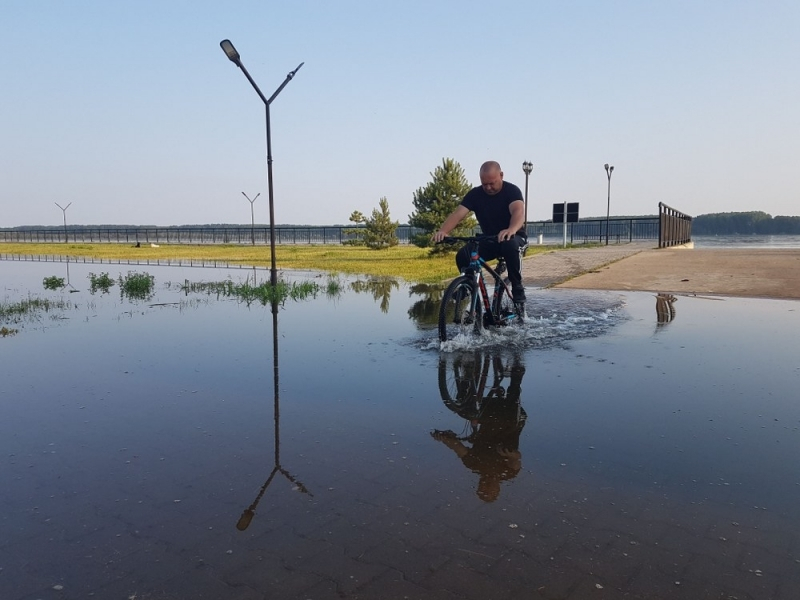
x: 493, y: 212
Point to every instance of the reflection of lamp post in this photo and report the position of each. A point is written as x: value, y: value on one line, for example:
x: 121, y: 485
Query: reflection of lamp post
x: 249, y: 512
x: 233, y: 55
x: 252, y: 216
x: 527, y: 166
x: 64, y: 210
x: 609, y: 171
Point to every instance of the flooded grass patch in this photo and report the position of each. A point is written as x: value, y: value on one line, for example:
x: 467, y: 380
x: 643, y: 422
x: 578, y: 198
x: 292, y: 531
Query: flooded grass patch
x: 53, y: 283
x: 265, y: 293
x: 137, y: 286
x: 100, y: 283
x: 29, y: 308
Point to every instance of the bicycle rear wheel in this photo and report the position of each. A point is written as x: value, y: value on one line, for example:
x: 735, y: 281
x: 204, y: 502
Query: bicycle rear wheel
x: 460, y: 311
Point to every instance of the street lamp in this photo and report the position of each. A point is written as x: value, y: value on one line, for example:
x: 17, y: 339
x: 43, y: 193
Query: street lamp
x: 233, y: 55
x: 609, y: 171
x: 252, y: 216
x: 64, y: 211
x: 527, y: 166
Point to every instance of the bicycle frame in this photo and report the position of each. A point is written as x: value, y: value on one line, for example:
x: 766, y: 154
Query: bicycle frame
x: 475, y: 268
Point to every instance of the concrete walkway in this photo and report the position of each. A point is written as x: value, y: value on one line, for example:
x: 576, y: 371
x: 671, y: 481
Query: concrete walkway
x: 557, y: 266
x: 759, y: 273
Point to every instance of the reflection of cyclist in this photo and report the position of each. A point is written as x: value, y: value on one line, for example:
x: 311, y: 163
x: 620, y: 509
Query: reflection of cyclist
x: 494, y: 452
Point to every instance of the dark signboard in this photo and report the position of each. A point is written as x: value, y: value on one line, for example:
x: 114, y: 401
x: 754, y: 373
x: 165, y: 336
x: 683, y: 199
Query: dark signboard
x: 572, y: 212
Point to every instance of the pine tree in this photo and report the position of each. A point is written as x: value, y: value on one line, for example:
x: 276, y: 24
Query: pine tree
x: 381, y: 231
x: 437, y: 200
x: 355, y: 235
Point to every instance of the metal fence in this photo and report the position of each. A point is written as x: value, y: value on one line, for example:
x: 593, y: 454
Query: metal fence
x: 584, y: 231
x: 594, y: 230
x: 675, y: 227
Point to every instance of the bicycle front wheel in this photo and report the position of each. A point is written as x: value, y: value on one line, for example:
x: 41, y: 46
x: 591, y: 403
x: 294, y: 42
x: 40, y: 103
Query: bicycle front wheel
x: 503, y: 306
x: 460, y: 311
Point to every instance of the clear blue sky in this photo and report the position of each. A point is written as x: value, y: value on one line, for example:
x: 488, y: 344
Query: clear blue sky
x: 131, y: 111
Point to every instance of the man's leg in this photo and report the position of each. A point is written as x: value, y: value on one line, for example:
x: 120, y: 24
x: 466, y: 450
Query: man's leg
x: 510, y: 251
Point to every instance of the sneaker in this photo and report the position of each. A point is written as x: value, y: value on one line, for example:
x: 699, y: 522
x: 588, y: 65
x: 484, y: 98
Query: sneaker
x: 519, y: 307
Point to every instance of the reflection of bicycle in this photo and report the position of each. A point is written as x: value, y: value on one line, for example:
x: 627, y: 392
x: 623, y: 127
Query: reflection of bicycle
x: 464, y: 381
x: 466, y: 306
x: 471, y: 385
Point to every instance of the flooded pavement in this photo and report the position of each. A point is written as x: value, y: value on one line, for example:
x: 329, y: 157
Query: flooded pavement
x: 617, y: 445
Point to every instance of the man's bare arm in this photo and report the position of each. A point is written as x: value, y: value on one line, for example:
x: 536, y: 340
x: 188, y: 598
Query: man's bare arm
x: 517, y: 221
x: 450, y: 223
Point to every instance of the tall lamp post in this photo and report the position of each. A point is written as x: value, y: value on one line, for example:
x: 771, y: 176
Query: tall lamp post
x: 527, y: 166
x: 64, y: 211
x: 609, y: 171
x: 233, y: 55
x: 252, y: 216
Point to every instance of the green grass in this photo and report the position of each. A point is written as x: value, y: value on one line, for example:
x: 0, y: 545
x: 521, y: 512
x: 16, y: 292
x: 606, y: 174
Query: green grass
x: 100, y: 283
x: 53, y: 283
x: 14, y: 312
x: 137, y: 286
x: 405, y: 262
x: 265, y: 293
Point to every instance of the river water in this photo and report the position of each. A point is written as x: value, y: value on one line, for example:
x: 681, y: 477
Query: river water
x: 189, y: 445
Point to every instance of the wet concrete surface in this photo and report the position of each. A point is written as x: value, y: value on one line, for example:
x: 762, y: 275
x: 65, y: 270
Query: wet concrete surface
x: 752, y: 272
x: 616, y: 446
x: 559, y: 265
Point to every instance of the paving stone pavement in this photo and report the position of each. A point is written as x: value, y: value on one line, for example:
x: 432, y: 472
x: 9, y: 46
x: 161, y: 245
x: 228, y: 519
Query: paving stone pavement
x: 558, y: 265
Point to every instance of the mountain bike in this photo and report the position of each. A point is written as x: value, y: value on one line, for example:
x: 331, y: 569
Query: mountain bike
x: 466, y: 305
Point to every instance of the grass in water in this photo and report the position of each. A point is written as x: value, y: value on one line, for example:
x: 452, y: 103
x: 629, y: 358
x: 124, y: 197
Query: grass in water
x: 265, y: 293
x: 137, y: 286
x: 14, y: 312
x: 100, y: 283
x: 53, y: 283
x: 6, y: 332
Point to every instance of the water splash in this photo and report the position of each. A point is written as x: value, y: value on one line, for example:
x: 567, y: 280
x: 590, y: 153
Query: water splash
x: 554, y: 318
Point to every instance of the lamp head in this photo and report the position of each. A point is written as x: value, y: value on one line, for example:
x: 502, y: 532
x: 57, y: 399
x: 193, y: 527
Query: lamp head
x: 230, y: 51
x: 527, y: 167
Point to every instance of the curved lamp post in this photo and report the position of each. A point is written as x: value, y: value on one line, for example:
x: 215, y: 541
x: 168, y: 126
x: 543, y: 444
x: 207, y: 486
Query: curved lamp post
x: 234, y: 57
x: 64, y: 211
x: 527, y: 166
x: 252, y: 216
x: 609, y: 171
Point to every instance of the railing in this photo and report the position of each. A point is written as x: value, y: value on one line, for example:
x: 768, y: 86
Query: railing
x: 584, y: 231
x: 157, y: 262
x: 674, y: 227
x: 594, y: 230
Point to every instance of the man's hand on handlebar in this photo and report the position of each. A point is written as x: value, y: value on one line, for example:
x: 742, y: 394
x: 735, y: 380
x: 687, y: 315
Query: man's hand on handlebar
x: 506, y: 234
x: 439, y: 236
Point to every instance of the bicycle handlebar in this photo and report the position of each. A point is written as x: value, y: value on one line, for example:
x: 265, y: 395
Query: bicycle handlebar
x: 476, y: 238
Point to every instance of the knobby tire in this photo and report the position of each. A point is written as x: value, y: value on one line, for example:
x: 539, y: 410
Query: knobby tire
x: 454, y: 312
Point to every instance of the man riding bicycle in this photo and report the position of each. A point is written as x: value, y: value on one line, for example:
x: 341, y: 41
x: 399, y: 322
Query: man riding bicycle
x: 500, y: 210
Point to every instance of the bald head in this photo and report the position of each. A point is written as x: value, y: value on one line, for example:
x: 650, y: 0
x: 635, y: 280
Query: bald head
x: 489, y: 166
x: 491, y: 177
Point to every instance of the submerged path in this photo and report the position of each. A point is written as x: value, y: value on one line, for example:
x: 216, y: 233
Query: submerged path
x: 758, y: 273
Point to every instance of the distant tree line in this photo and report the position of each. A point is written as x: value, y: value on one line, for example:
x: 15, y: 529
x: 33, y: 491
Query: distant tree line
x: 744, y: 223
